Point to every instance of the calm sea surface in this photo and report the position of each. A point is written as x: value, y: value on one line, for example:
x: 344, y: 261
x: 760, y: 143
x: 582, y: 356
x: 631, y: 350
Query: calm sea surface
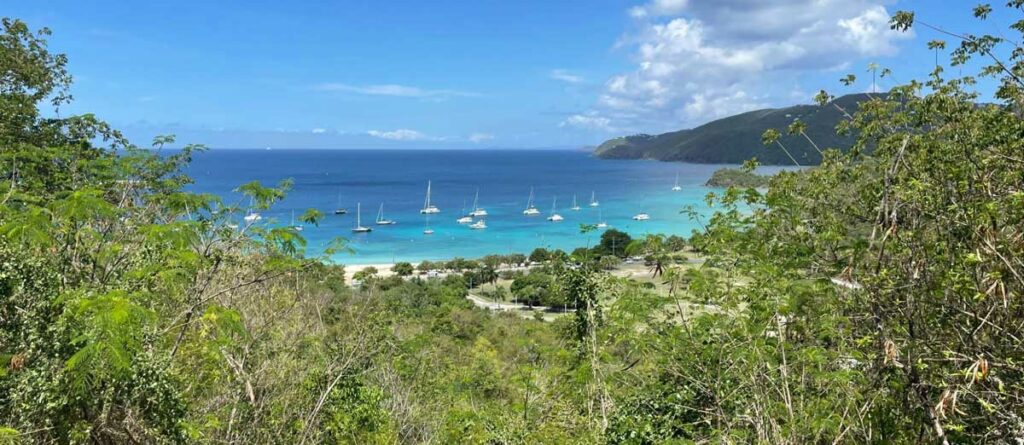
x: 398, y: 179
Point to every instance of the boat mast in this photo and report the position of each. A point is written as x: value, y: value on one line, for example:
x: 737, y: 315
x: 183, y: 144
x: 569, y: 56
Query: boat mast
x: 426, y: 204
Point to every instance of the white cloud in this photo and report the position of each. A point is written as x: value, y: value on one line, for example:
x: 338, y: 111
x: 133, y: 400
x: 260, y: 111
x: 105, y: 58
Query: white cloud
x: 588, y: 121
x: 697, y: 61
x: 394, y: 90
x: 658, y: 8
x: 566, y: 76
x: 477, y: 138
x: 319, y: 130
x: 402, y: 135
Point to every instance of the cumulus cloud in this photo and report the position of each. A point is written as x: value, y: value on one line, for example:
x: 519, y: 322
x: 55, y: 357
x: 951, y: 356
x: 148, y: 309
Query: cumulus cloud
x: 697, y: 61
x: 659, y: 7
x: 566, y: 76
x: 591, y: 121
x: 477, y: 138
x: 393, y: 90
x: 402, y: 134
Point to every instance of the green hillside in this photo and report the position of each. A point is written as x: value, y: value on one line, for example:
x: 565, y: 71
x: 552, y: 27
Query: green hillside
x: 734, y: 139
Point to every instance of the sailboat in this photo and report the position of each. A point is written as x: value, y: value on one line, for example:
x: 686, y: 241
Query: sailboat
x: 480, y: 224
x: 252, y: 216
x: 642, y: 216
x: 575, y: 207
x: 464, y: 219
x: 297, y: 228
x: 555, y: 217
x: 339, y: 210
x: 428, y: 230
x: 676, y: 187
x: 593, y: 200
x: 531, y: 210
x: 477, y: 211
x: 381, y: 221
x: 600, y: 220
x: 429, y: 208
x: 359, y: 226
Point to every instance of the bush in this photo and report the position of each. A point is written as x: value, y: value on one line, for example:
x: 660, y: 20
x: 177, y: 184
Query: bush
x: 366, y: 273
x: 402, y: 269
x: 609, y: 262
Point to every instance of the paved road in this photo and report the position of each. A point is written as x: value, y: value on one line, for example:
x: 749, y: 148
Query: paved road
x: 497, y: 306
x: 501, y: 306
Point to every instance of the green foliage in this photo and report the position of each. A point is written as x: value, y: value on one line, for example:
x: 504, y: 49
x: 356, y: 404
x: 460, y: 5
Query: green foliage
x: 731, y: 177
x: 535, y: 289
x: 402, y: 269
x: 613, y: 242
x: 539, y: 255
x: 874, y: 298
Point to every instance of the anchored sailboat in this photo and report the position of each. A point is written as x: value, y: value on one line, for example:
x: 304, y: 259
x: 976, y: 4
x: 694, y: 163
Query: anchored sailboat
x: 575, y: 207
x: 600, y: 220
x: 555, y: 217
x: 477, y: 211
x: 676, y: 187
x: 478, y: 225
x: 295, y: 227
x: 464, y: 219
x: 252, y: 216
x: 428, y: 230
x: 642, y: 216
x: 531, y: 210
x: 359, y: 226
x: 429, y: 208
x: 381, y: 221
x: 339, y: 210
x: 593, y: 200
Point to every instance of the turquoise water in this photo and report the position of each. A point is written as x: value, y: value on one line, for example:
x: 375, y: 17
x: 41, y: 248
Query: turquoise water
x: 398, y: 178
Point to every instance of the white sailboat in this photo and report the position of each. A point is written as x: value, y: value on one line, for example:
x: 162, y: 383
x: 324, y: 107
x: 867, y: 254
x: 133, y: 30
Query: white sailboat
x: 593, y: 200
x: 601, y: 224
x: 381, y: 221
x: 429, y: 208
x: 295, y: 227
x: 479, y: 225
x: 339, y: 210
x: 359, y: 226
x: 428, y: 230
x: 555, y: 217
x: 252, y: 216
x: 477, y: 211
x: 531, y: 210
x: 642, y: 216
x: 676, y: 187
x: 465, y: 218
x: 575, y: 207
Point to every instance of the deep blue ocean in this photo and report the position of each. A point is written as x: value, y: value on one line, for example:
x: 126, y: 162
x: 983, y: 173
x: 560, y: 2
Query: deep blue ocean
x: 398, y: 178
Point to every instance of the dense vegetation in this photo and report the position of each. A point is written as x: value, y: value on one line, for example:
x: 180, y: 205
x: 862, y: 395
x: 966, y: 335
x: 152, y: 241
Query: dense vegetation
x: 735, y: 177
x: 735, y: 139
x: 873, y: 299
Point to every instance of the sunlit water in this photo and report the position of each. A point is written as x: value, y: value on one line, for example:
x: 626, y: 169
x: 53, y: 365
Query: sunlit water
x: 398, y: 178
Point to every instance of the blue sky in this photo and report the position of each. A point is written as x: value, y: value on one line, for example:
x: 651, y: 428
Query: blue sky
x: 368, y: 74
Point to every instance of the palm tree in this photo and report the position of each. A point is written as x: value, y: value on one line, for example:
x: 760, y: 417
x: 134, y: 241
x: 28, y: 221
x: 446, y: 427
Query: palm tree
x: 770, y: 136
x: 800, y: 127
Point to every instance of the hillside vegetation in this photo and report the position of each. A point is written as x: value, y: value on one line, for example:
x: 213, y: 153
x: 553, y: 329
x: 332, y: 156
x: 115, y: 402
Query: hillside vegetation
x: 734, y: 177
x: 735, y: 139
x: 876, y: 298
